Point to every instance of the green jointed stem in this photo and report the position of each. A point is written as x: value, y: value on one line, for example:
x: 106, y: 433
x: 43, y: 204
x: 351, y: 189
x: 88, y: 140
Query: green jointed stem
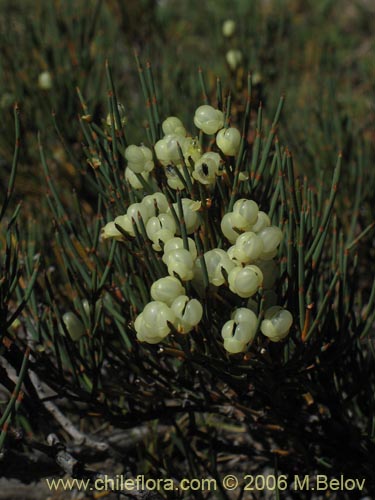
x: 26, y: 297
x: 108, y: 265
x: 292, y: 187
x: 13, y: 170
x: 155, y: 109
x: 256, y: 144
x: 181, y: 219
x: 228, y: 105
x: 269, y: 142
x: 328, y: 210
x: 301, y: 271
x: 219, y: 94
x: 148, y: 98
x: 16, y: 390
x: 203, y: 86
x: 120, y: 133
x: 201, y: 259
x: 323, y: 305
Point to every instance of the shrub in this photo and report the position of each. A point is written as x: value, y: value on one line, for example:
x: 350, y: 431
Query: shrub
x: 255, y: 350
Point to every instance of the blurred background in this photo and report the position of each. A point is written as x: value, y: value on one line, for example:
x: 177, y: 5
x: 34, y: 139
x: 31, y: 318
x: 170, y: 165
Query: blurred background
x: 53, y: 53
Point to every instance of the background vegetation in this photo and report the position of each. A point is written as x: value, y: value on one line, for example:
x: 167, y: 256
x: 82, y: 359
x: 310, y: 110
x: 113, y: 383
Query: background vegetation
x: 310, y: 407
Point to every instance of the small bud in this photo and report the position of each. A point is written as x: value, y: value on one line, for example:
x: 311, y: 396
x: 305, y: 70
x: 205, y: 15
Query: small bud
x: 248, y: 247
x: 229, y: 223
x: 45, y: 80
x: 145, y: 333
x: 190, y: 212
x: 156, y: 316
x: 277, y: 323
x: 152, y: 324
x: 139, y: 158
x: 173, y: 125
x: 175, y: 243
x: 208, y: 119
x: 167, y: 151
x: 167, y: 289
x: 191, y: 149
x: 74, y: 325
x: 271, y: 237
x: 229, y: 27
x: 125, y: 223
x: 135, y: 210
x: 180, y: 262
x: 245, y: 281
x: 234, y: 58
x: 161, y: 202
x: 161, y: 238
x: 249, y: 210
x: 245, y: 315
x: 241, y: 328
x: 207, y: 168
x: 110, y: 231
x: 228, y: 140
x: 162, y: 221
x: 188, y: 313
x: 216, y: 260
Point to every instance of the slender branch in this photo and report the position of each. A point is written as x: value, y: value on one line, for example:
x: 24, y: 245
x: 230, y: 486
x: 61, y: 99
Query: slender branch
x: 75, y: 468
x: 78, y: 436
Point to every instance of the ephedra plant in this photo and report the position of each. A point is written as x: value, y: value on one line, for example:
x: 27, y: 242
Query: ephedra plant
x: 212, y: 297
